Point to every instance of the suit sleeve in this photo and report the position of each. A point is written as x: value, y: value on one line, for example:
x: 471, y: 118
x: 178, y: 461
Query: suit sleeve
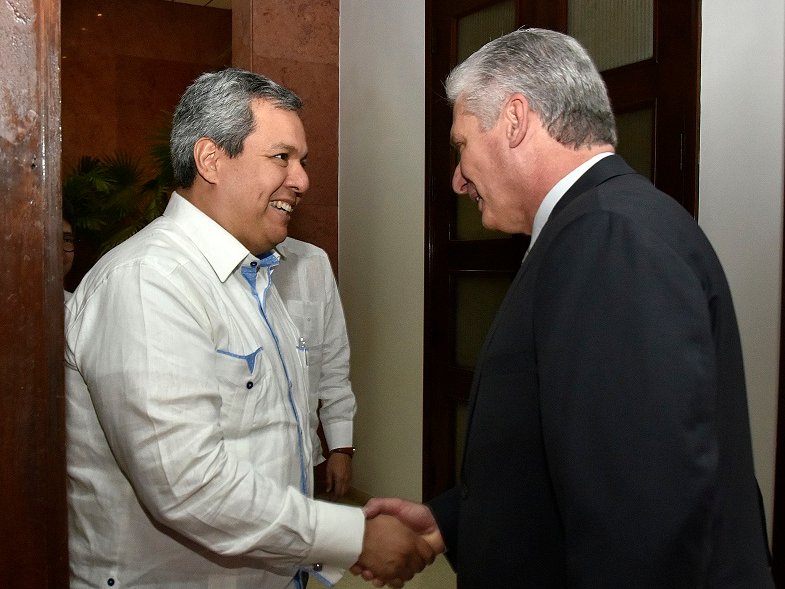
x: 445, y: 511
x: 628, y: 376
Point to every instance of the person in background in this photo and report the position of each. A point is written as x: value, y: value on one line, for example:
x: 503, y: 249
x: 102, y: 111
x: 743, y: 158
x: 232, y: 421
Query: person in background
x: 305, y: 281
x: 69, y: 241
x: 189, y: 449
x: 608, y: 442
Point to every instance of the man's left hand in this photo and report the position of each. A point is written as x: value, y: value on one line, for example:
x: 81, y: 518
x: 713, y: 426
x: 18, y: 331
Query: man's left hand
x: 339, y: 474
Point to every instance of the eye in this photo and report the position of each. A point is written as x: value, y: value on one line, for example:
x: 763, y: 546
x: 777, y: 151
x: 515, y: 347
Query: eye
x: 282, y: 156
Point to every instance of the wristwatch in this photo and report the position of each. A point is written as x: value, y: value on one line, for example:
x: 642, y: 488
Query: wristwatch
x: 349, y: 451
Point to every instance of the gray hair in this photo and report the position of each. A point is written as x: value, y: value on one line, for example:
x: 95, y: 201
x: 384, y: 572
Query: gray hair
x: 217, y: 105
x: 555, y: 74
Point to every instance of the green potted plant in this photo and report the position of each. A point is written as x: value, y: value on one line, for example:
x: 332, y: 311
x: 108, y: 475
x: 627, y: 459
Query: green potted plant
x: 113, y: 197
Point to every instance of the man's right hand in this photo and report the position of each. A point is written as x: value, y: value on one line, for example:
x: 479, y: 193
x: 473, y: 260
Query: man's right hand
x: 392, y: 552
x: 420, y: 521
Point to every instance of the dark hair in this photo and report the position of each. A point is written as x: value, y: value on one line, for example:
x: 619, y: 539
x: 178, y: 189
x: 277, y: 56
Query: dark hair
x: 69, y: 213
x: 217, y: 105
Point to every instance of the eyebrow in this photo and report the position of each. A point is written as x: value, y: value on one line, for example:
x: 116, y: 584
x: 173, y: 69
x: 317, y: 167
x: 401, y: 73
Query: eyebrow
x: 288, y: 148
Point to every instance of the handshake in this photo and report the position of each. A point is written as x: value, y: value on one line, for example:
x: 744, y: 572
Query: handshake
x: 401, y: 538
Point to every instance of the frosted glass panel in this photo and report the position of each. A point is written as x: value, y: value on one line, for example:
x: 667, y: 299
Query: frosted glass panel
x: 635, y: 139
x: 615, y: 32
x: 477, y: 28
x: 477, y: 295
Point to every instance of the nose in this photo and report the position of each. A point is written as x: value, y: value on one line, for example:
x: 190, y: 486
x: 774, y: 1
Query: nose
x: 298, y: 178
x: 458, y: 181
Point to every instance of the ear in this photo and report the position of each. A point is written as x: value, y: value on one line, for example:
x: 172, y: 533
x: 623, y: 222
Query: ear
x: 206, y: 155
x: 516, y: 117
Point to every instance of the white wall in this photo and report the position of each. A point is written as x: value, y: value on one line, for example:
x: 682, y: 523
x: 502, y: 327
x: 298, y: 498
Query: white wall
x: 381, y: 214
x: 381, y: 220
x: 741, y: 190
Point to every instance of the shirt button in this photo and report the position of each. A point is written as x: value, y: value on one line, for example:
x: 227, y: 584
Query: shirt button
x: 249, y: 384
x: 318, y: 567
x: 253, y: 264
x: 110, y: 582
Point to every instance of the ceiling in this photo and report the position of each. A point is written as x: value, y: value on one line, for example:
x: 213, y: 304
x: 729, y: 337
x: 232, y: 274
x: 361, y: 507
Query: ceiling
x: 227, y: 4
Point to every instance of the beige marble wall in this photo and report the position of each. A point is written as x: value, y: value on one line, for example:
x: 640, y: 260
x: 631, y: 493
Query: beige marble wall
x: 295, y: 42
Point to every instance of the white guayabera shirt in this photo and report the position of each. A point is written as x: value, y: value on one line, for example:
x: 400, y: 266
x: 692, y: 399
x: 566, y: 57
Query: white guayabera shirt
x: 189, y: 452
x: 305, y: 281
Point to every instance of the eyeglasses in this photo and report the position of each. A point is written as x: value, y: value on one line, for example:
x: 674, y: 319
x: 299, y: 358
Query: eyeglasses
x: 69, y: 242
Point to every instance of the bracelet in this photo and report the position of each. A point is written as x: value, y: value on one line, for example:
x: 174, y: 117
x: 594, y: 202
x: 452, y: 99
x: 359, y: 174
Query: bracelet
x: 348, y: 451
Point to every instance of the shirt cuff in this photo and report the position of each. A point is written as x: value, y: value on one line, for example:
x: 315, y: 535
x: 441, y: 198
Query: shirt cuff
x: 338, y: 434
x: 338, y: 538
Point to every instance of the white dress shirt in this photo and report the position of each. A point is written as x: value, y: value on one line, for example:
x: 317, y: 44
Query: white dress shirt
x: 189, y: 452
x: 305, y: 281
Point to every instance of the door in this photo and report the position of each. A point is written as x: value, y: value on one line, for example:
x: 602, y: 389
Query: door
x: 648, y: 54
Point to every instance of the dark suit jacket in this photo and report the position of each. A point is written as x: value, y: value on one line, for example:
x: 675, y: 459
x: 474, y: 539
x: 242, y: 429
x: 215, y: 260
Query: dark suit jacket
x: 608, y: 442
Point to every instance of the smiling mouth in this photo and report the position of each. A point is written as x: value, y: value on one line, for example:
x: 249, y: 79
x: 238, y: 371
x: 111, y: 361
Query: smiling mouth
x: 282, y: 206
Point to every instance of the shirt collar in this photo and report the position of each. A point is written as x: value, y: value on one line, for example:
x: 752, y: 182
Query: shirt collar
x: 282, y: 249
x: 560, y: 189
x: 219, y: 247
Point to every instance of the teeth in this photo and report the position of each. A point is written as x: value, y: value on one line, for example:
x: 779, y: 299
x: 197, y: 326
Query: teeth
x: 284, y: 206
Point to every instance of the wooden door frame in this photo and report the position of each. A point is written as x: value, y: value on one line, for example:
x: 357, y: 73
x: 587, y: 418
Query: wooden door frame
x: 33, y: 532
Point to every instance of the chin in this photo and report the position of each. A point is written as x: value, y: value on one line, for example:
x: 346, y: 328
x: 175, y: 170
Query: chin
x: 489, y: 224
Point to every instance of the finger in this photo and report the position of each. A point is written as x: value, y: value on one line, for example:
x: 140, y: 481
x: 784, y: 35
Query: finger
x: 329, y: 481
x: 415, y: 561
x: 376, y: 506
x: 426, y: 551
x: 435, y: 540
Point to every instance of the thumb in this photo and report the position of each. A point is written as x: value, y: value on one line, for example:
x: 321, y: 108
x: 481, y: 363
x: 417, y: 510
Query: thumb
x: 376, y: 505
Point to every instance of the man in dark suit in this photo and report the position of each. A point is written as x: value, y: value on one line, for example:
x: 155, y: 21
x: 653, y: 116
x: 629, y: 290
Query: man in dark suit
x: 608, y: 442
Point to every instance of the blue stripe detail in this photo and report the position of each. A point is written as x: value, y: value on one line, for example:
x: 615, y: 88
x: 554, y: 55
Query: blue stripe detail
x: 249, y: 273
x: 250, y: 359
x: 298, y: 580
x: 323, y: 580
x: 268, y: 259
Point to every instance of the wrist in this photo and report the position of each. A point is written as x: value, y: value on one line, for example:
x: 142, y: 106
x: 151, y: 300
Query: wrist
x: 347, y: 450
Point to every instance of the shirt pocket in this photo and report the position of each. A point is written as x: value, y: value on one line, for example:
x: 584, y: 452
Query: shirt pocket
x: 308, y: 318
x: 242, y: 379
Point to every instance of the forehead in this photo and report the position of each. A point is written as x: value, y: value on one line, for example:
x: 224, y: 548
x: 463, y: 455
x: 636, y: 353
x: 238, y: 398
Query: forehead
x: 275, y: 125
x: 464, y: 123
